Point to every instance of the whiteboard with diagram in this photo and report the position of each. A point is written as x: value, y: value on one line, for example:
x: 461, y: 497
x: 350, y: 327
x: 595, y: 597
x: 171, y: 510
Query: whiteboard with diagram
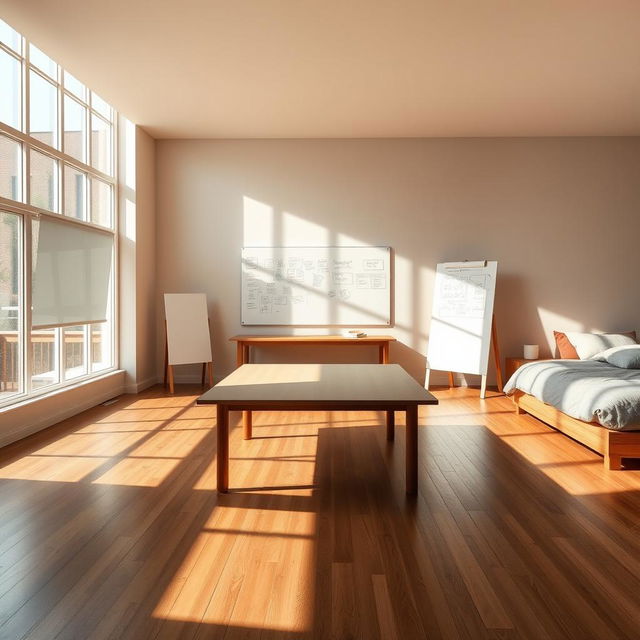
x: 461, y: 316
x: 316, y: 286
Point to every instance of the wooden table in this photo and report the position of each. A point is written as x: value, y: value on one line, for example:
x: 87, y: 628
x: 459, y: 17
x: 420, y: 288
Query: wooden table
x: 319, y: 387
x: 244, y: 344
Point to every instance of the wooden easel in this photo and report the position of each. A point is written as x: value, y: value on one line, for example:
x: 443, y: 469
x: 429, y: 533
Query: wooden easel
x: 496, y: 357
x: 168, y: 368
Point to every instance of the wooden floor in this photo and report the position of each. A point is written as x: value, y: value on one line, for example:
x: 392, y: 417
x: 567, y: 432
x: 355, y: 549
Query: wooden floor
x: 110, y: 527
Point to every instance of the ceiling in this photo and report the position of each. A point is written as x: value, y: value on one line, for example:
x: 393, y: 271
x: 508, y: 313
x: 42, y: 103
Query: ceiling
x: 350, y: 68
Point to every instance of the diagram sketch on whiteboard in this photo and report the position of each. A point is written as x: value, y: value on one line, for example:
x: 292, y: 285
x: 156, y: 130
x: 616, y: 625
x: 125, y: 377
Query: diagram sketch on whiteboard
x: 316, y: 285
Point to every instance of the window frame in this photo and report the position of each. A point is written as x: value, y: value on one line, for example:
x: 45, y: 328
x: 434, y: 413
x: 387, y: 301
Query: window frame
x: 29, y: 213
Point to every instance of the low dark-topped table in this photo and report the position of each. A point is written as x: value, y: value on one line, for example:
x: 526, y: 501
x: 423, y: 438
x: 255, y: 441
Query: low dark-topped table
x: 319, y: 387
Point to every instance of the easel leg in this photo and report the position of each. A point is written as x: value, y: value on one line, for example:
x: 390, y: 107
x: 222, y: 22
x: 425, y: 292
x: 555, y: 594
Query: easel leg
x: 210, y: 368
x: 170, y: 370
x: 166, y: 354
x: 427, y: 376
x: 496, y: 353
x: 483, y: 387
x: 204, y: 366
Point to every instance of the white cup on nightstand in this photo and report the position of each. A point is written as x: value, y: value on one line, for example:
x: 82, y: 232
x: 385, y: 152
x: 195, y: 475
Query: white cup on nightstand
x: 531, y: 351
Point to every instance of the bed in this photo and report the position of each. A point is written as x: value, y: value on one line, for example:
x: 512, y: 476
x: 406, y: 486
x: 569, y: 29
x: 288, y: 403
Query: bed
x: 593, y: 402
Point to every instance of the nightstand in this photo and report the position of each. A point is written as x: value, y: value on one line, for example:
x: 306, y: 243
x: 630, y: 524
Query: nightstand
x: 515, y: 363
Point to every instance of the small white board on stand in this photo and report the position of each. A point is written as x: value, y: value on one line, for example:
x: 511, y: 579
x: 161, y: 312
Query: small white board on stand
x: 187, y: 333
x: 462, y: 323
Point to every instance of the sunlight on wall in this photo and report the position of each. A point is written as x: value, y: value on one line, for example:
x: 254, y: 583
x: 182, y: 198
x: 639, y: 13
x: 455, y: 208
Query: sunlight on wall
x: 297, y: 231
x: 129, y: 154
x: 552, y: 321
x: 258, y: 224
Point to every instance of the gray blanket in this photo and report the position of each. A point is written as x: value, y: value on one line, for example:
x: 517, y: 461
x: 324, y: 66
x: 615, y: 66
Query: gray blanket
x: 584, y: 389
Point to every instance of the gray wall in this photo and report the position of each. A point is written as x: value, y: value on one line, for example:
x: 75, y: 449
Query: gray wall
x: 560, y: 215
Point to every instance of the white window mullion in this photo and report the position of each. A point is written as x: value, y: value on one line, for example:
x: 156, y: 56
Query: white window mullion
x: 26, y: 296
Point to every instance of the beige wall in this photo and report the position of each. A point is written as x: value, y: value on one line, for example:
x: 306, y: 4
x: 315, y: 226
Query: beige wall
x: 137, y: 257
x: 560, y: 215
x: 146, y: 311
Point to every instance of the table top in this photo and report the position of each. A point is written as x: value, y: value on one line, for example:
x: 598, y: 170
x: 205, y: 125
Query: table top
x: 348, y: 385
x: 321, y: 338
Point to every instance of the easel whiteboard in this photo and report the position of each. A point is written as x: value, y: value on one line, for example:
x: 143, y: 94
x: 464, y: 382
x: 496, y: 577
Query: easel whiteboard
x: 188, y: 339
x: 461, y: 317
x: 316, y: 286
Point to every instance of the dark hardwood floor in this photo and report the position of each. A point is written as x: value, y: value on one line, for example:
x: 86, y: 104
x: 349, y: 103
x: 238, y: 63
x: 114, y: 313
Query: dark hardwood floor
x: 110, y: 527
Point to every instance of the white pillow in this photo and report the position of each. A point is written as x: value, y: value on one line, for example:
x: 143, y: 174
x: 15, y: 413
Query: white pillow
x: 627, y: 357
x: 590, y: 344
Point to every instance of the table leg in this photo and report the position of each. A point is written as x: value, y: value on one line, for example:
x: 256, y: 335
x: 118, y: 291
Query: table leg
x: 223, y: 448
x: 247, y: 424
x: 383, y: 353
x: 412, y: 450
x: 239, y: 353
x: 391, y: 424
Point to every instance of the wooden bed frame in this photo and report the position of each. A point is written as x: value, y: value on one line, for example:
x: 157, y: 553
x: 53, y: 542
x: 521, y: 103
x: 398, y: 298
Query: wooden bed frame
x: 613, y: 445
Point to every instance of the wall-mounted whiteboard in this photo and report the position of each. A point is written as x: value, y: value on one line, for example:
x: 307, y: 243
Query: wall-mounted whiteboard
x: 461, y: 317
x: 188, y: 337
x: 316, y: 286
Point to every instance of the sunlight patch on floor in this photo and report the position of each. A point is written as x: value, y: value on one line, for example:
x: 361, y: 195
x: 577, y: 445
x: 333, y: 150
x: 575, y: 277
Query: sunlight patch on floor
x: 51, y: 468
x: 139, y: 472
x: 90, y: 444
x: 254, y: 577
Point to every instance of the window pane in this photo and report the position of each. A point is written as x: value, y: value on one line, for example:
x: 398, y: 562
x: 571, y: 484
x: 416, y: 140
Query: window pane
x: 44, y: 181
x: 43, y: 109
x: 75, y: 129
x: 99, y: 105
x: 44, y: 346
x: 100, y: 346
x: 75, y: 193
x: 10, y: 37
x: 10, y: 303
x: 73, y: 345
x: 43, y: 62
x: 75, y: 86
x: 10, y: 168
x: 100, y: 144
x: 101, y: 203
x: 10, y: 90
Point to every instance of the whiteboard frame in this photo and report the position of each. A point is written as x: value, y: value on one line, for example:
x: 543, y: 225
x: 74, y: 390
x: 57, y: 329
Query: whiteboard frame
x: 391, y: 318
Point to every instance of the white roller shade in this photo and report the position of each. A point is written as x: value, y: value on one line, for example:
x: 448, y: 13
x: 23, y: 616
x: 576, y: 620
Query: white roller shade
x: 72, y: 268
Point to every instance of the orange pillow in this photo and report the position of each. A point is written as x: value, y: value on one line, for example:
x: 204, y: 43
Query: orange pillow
x: 568, y: 352
x: 565, y: 349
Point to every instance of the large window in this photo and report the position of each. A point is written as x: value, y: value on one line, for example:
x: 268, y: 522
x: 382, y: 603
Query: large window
x: 57, y: 224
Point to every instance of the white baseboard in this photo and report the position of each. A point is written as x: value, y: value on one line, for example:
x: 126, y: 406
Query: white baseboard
x: 141, y: 386
x: 34, y: 415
